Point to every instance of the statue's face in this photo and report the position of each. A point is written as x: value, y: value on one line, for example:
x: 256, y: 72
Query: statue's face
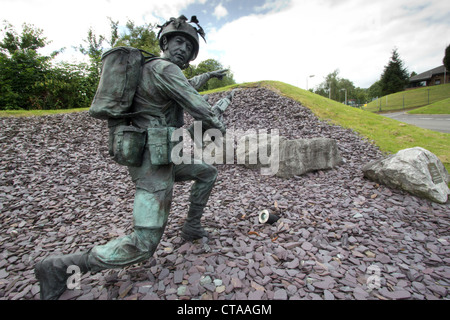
x: 179, y: 50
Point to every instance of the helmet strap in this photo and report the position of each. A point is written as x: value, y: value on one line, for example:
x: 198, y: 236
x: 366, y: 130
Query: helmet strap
x: 165, y: 43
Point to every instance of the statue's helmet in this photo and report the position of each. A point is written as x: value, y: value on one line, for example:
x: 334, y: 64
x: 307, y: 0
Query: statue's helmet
x: 181, y: 26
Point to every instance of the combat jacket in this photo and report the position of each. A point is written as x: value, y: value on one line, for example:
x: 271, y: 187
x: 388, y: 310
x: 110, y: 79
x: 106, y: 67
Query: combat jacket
x: 164, y: 93
x: 164, y: 90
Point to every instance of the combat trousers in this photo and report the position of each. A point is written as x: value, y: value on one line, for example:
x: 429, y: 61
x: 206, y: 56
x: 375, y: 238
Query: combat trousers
x: 154, y: 188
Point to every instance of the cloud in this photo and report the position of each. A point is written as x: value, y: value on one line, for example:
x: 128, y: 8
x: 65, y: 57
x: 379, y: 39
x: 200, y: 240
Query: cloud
x: 272, y: 5
x: 220, y: 11
x: 317, y: 37
x: 276, y: 40
x: 66, y: 23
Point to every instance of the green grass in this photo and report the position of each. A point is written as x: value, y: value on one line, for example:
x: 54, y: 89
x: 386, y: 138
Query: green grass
x: 440, y: 107
x: 408, y: 99
x: 31, y: 113
x: 388, y: 134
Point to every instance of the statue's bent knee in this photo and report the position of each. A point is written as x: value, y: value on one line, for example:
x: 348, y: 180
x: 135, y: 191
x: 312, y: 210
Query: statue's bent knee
x: 150, y: 215
x: 151, y: 210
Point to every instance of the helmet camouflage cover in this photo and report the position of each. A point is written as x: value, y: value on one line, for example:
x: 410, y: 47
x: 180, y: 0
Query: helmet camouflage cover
x: 181, y: 26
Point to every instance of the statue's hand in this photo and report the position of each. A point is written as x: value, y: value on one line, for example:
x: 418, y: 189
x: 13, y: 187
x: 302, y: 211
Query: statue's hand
x: 231, y: 94
x: 219, y: 74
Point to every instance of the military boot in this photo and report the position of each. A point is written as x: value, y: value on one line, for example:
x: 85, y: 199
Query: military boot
x: 192, y: 228
x: 53, y: 272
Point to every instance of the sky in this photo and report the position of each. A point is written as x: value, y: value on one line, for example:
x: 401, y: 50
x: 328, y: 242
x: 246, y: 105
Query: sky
x: 297, y: 42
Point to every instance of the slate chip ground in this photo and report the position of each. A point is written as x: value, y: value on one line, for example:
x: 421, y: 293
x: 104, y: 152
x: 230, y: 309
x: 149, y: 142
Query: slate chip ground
x: 340, y: 236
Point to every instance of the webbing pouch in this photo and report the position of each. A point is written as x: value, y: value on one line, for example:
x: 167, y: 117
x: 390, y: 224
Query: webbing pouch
x: 159, y: 145
x: 128, y: 145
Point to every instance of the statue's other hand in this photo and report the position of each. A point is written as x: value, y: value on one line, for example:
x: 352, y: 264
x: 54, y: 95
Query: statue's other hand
x: 219, y: 74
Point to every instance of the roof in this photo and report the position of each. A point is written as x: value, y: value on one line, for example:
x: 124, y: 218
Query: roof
x: 427, y: 74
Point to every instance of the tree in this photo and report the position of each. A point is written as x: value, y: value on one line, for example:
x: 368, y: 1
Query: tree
x: 329, y: 87
x: 334, y: 87
x: 395, y: 76
x: 374, y: 90
x: 93, y: 48
x: 144, y: 38
x: 208, y: 66
x: 141, y: 37
x: 361, y: 95
x: 29, y: 80
x: 21, y: 66
x: 65, y: 86
x: 446, y: 59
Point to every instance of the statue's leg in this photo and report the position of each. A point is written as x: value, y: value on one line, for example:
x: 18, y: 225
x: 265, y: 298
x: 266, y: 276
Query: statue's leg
x: 150, y: 214
x: 54, y: 271
x: 204, y: 176
x: 154, y: 185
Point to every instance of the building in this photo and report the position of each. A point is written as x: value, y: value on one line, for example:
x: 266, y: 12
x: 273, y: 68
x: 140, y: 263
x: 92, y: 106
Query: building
x: 430, y: 78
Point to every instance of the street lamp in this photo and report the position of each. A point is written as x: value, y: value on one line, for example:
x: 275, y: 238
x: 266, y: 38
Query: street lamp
x: 329, y: 91
x: 307, y: 80
x: 345, y: 95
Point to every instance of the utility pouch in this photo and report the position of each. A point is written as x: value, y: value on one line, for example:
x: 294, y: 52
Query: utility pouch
x: 159, y: 145
x: 128, y: 145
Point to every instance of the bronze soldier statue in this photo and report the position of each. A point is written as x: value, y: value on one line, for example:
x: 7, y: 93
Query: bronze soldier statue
x: 163, y: 94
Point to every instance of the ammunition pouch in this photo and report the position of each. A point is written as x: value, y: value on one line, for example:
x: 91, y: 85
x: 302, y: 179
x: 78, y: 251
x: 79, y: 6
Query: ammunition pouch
x: 127, y: 145
x: 160, y: 145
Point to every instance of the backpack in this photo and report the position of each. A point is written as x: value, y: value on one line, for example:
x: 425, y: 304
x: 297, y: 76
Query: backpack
x: 121, y: 70
x: 119, y: 79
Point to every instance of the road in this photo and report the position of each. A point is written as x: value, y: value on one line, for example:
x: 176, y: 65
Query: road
x: 435, y: 122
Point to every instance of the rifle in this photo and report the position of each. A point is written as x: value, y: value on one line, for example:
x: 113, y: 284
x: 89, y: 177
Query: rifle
x: 218, y: 109
x: 221, y: 105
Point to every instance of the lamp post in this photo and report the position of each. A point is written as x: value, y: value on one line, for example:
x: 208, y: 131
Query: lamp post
x: 345, y: 95
x: 307, y: 80
x: 329, y: 91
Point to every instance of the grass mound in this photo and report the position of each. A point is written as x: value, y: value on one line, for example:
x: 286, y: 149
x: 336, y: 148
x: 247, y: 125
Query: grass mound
x: 410, y: 98
x: 388, y: 134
